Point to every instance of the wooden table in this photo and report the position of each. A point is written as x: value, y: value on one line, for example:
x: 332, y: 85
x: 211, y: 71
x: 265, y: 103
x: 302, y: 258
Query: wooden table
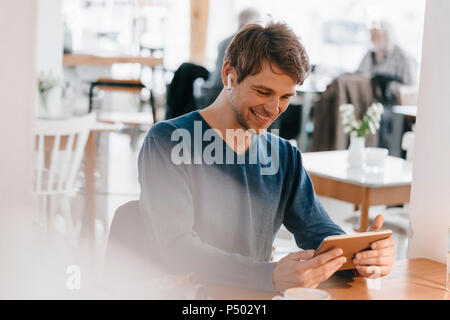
x: 90, y: 157
x: 414, y: 279
x: 73, y: 59
x: 126, y: 118
x: 332, y: 177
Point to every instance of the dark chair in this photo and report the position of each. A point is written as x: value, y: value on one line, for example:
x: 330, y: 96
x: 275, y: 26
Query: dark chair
x: 132, y: 86
x: 290, y: 122
x: 180, y: 92
x: 129, y: 237
x: 132, y: 259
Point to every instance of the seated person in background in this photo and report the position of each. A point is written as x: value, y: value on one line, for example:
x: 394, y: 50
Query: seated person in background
x: 387, y: 62
x: 213, y: 86
x: 389, y: 67
x: 216, y: 186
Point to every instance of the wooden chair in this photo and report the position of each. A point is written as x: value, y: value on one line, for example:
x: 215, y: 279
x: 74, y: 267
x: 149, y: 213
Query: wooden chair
x: 59, y: 150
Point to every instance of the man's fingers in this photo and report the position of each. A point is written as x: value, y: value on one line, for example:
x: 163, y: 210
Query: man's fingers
x: 325, y: 271
x: 385, y: 252
x: 377, y: 223
x: 301, y: 255
x: 385, y: 243
x: 325, y: 257
x: 379, y: 261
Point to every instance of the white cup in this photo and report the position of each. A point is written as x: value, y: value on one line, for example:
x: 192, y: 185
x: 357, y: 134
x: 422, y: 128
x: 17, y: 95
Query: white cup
x: 376, y: 157
x: 303, y: 294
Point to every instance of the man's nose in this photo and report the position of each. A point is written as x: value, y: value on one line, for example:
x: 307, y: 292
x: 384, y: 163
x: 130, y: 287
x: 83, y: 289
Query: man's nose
x: 274, y: 105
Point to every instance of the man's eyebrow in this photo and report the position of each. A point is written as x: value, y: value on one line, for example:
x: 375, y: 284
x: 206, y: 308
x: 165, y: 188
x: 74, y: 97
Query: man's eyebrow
x: 271, y: 90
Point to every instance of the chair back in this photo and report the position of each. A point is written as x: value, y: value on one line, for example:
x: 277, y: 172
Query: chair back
x: 408, y: 141
x: 130, y: 240
x: 129, y: 230
x: 59, y: 146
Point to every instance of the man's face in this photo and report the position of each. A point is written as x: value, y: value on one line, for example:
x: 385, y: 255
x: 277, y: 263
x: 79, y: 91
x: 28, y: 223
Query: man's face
x: 378, y: 38
x: 259, y: 99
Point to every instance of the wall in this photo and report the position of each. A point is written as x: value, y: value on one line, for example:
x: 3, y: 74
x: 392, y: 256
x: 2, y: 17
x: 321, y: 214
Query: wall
x: 17, y: 98
x: 430, y: 204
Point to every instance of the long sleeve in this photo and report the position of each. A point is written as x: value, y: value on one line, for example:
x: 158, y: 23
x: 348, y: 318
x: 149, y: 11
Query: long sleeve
x: 167, y: 202
x: 305, y: 216
x: 366, y: 65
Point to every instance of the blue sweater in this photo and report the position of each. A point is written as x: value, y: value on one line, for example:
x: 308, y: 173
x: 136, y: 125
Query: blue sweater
x: 216, y: 213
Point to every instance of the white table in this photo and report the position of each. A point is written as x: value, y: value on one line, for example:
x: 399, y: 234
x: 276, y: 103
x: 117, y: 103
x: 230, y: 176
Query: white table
x: 332, y: 177
x: 407, y: 111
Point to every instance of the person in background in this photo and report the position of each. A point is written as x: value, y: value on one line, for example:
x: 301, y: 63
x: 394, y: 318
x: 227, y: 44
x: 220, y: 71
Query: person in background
x: 390, y: 67
x: 214, y: 85
x: 387, y: 61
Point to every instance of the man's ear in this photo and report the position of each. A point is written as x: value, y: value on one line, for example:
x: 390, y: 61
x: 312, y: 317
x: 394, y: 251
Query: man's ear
x: 228, y: 75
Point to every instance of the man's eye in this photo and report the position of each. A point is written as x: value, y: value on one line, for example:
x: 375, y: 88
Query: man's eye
x: 263, y: 93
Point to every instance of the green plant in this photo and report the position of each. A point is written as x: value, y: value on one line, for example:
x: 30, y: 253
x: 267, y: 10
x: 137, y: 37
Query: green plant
x: 46, y: 82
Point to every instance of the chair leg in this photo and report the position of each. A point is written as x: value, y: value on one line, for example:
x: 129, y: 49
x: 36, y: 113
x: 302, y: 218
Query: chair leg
x: 44, y: 213
x: 72, y: 230
x: 52, y: 201
x: 153, y: 106
x: 38, y: 211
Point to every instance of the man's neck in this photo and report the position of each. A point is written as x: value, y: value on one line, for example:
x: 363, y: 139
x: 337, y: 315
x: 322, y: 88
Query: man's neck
x: 221, y: 117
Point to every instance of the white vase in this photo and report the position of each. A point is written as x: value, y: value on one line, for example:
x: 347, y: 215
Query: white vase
x: 43, y: 105
x: 356, y: 152
x: 49, y: 104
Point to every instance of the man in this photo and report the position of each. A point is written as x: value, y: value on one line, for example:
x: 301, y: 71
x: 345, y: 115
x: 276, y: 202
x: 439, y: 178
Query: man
x: 387, y: 60
x: 215, y: 202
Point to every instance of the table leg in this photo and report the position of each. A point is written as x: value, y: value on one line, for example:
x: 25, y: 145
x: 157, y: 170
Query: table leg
x: 365, y: 205
x: 89, y: 171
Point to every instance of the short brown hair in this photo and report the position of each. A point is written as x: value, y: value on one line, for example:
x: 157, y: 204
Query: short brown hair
x: 275, y: 43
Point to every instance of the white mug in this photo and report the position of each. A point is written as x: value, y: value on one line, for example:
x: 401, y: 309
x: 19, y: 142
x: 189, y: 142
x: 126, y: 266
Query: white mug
x: 303, y: 294
x: 376, y: 157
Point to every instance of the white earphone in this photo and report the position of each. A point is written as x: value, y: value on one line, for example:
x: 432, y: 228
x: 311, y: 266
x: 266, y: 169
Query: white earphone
x: 229, y: 81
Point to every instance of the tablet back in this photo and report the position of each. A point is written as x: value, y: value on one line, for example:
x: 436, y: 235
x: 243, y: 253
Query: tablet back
x: 351, y: 244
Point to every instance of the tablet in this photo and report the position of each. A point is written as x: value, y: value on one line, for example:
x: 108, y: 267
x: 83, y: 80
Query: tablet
x: 351, y: 244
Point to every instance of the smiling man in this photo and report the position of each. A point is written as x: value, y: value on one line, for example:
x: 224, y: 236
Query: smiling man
x: 219, y: 218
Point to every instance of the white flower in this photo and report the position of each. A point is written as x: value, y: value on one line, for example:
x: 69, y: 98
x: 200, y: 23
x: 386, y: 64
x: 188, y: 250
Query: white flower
x: 372, y: 127
x: 347, y: 129
x: 346, y: 107
x: 355, y: 124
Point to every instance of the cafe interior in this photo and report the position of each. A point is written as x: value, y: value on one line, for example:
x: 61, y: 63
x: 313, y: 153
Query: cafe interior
x: 83, y: 82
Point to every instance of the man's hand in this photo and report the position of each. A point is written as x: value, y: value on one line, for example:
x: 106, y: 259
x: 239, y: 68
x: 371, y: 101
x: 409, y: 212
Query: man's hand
x: 382, y: 254
x: 302, y: 269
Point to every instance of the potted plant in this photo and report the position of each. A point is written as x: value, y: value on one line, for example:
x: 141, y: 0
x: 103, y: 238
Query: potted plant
x: 358, y: 129
x: 46, y: 83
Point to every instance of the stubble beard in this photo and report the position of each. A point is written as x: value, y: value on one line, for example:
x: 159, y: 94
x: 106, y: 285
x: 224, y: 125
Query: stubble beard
x: 239, y: 115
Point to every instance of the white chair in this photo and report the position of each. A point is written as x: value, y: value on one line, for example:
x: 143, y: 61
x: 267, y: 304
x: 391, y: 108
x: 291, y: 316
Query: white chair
x: 59, y: 151
x: 408, y: 141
